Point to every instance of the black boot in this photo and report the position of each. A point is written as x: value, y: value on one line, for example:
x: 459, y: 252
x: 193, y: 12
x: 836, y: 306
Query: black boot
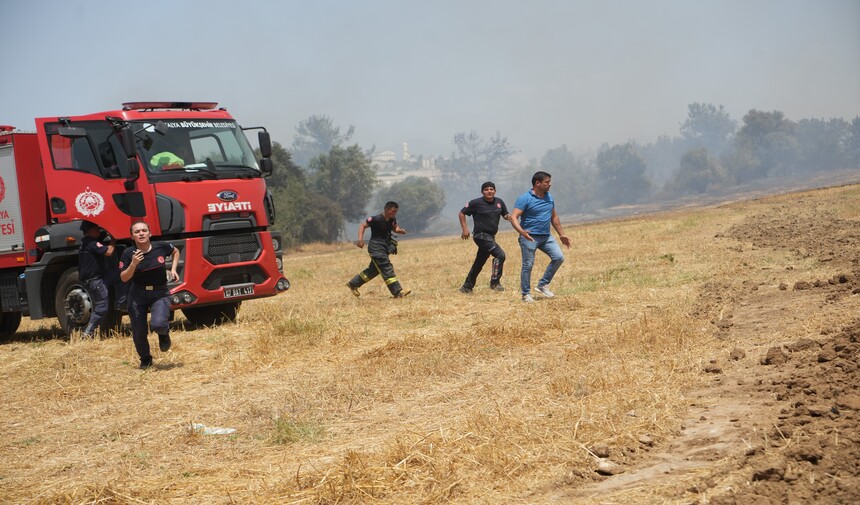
x: 164, y: 342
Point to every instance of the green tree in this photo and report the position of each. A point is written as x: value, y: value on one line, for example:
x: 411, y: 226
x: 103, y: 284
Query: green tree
x: 852, y: 144
x: 822, y: 144
x: 345, y: 175
x: 708, y: 126
x: 283, y: 168
x: 473, y: 162
x: 317, y: 135
x: 765, y: 146
x: 621, y: 175
x: 303, y: 214
x: 572, y: 177
x: 699, y: 173
x: 419, y: 198
x: 306, y: 216
x: 662, y: 157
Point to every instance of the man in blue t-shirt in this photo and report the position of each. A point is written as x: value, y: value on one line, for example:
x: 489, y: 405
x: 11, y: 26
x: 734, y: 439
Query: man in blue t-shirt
x: 534, y: 212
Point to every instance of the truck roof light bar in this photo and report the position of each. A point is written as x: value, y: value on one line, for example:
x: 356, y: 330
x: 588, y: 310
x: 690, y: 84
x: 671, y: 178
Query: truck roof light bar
x: 169, y: 105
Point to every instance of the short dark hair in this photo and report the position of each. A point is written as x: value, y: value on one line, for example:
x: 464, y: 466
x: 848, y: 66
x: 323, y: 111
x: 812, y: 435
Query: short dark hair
x: 488, y: 184
x: 391, y: 205
x: 86, y: 226
x: 139, y: 221
x: 540, y: 176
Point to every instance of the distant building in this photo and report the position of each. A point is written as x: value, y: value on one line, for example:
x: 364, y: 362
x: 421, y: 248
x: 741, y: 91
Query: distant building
x: 384, y: 157
x: 390, y: 170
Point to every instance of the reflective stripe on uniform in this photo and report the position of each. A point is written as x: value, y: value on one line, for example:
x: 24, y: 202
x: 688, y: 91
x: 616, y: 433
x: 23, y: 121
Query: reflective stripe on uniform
x: 390, y: 280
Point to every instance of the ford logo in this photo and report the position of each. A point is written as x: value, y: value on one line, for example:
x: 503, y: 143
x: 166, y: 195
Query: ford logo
x: 228, y: 195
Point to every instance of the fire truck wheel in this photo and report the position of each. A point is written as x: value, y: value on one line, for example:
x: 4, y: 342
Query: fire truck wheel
x: 72, y: 302
x: 9, y: 322
x: 211, y: 315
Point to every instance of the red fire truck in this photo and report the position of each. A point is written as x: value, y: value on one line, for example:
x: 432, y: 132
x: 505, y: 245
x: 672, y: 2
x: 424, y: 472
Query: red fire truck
x: 186, y: 168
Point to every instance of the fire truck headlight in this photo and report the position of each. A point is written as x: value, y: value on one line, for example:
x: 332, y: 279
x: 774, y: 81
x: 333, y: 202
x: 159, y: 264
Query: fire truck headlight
x: 283, y: 284
x: 280, y: 264
x: 182, y: 298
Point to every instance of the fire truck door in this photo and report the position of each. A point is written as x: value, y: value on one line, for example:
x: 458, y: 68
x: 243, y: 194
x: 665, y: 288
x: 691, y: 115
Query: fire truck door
x: 11, y: 230
x: 85, y: 181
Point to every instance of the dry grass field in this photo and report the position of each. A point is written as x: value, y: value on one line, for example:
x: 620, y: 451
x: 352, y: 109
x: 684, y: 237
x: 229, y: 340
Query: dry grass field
x: 701, y: 356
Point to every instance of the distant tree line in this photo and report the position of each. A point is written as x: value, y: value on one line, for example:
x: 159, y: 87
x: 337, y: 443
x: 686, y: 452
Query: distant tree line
x: 321, y: 183
x: 712, y: 153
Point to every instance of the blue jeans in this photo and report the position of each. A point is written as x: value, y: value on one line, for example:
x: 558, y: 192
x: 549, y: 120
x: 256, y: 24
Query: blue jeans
x: 98, y: 292
x: 157, y: 302
x: 546, y: 244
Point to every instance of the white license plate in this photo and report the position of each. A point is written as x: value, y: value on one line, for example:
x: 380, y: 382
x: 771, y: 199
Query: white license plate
x: 238, y: 291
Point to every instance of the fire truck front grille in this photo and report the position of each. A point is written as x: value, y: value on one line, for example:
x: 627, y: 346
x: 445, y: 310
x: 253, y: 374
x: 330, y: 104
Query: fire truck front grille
x: 223, y: 249
x: 235, y: 275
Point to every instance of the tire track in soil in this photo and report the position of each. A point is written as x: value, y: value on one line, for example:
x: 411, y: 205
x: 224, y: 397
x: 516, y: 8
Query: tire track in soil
x: 780, y: 421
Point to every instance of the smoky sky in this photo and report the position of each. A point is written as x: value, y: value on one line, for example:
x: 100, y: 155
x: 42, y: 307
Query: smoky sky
x: 542, y: 73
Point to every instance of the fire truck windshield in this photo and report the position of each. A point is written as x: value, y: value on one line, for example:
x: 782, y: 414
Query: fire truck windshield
x: 205, y: 148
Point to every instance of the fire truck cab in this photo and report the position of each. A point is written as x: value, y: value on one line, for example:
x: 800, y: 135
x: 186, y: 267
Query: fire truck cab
x: 186, y: 168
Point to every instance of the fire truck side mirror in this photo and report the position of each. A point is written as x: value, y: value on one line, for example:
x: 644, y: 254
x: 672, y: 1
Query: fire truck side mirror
x: 265, y: 144
x: 133, y: 168
x: 266, y: 166
x: 128, y: 142
x: 129, y: 145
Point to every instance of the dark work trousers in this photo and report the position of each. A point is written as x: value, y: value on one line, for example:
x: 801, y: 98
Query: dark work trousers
x: 157, y: 302
x: 487, y: 247
x: 379, y: 264
x: 98, y: 292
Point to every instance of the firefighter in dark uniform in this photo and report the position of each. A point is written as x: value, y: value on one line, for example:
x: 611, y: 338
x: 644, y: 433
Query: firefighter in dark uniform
x: 91, y: 272
x: 380, y: 246
x: 485, y: 212
x: 145, y: 265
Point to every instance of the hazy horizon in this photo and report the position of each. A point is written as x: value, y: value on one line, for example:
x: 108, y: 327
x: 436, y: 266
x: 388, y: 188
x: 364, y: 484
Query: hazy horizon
x: 542, y: 73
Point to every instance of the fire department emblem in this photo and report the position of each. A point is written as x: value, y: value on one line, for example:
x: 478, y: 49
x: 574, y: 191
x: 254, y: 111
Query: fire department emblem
x: 90, y: 203
x: 2, y: 189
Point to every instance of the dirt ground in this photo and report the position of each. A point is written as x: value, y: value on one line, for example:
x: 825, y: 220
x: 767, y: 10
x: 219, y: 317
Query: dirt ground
x: 452, y: 403
x: 780, y: 421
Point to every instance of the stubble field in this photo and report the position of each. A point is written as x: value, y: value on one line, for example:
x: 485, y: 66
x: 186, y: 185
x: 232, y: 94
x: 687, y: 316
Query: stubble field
x: 701, y: 356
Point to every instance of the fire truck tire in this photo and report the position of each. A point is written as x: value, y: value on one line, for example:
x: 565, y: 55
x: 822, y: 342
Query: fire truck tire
x: 72, y: 302
x: 9, y: 322
x: 212, y: 315
x: 74, y: 306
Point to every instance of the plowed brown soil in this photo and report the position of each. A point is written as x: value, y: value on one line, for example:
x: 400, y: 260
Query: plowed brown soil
x: 780, y: 421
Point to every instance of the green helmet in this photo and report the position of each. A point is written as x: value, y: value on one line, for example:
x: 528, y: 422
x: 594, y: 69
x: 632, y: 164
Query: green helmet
x: 166, y: 158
